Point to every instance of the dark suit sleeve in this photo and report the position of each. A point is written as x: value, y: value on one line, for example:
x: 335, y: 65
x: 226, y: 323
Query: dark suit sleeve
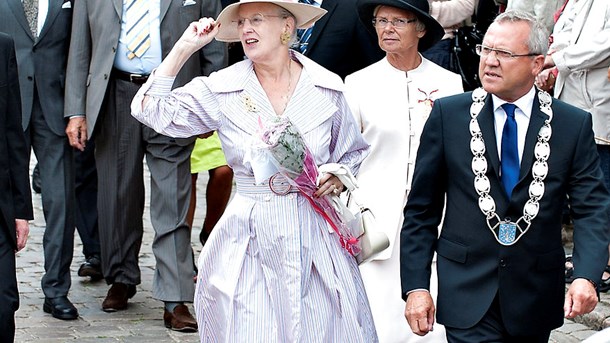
x: 590, y: 205
x: 17, y: 149
x: 215, y: 55
x: 424, y: 208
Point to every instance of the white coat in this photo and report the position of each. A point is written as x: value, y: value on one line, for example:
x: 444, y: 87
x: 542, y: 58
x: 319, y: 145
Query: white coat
x: 391, y: 107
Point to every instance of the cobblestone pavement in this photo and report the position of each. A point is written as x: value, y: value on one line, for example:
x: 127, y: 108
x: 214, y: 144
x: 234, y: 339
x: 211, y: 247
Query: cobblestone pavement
x: 142, y: 321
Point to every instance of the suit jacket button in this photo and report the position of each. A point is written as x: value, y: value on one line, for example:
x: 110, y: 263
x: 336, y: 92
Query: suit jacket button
x: 105, y: 76
x: 30, y: 78
x: 502, y: 263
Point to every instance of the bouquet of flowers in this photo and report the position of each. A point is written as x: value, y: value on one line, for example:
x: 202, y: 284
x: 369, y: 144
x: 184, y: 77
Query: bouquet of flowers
x: 288, y: 152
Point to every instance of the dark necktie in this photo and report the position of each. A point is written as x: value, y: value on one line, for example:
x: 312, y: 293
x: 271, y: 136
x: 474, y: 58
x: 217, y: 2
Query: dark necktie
x: 304, y: 34
x: 510, y: 150
x: 30, y: 7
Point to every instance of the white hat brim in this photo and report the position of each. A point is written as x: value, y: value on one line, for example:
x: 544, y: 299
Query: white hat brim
x: 306, y: 16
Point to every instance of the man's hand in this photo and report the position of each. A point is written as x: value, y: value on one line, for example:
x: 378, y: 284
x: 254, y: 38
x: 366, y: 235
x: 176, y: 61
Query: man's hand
x: 23, y: 230
x: 419, y: 312
x: 581, y: 298
x: 77, y: 132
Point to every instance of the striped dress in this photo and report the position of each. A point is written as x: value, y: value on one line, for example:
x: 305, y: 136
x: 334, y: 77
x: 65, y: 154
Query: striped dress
x: 272, y: 269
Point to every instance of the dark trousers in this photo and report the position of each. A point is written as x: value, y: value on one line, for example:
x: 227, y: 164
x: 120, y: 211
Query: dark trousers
x: 55, y: 160
x: 121, y: 144
x: 9, y: 296
x: 491, y: 329
x: 85, y: 213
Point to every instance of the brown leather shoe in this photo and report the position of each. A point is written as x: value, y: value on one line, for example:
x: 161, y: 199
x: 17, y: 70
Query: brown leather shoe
x: 180, y: 319
x: 117, y: 296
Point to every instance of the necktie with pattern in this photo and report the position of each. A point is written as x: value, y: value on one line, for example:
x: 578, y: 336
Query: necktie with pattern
x: 138, y: 27
x: 30, y: 7
x: 509, y: 151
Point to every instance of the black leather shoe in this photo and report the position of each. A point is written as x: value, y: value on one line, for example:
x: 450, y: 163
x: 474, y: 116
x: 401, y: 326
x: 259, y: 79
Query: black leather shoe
x: 60, y: 308
x: 92, y: 268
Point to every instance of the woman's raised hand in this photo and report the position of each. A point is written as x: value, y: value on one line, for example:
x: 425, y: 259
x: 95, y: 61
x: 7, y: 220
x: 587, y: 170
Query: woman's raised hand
x: 199, y: 34
x: 195, y: 37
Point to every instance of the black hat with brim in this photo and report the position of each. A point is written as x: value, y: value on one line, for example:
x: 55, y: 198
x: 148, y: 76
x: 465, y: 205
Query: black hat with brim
x: 434, y: 30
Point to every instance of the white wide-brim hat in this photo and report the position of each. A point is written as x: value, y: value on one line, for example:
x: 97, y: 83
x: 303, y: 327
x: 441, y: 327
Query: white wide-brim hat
x: 306, y: 16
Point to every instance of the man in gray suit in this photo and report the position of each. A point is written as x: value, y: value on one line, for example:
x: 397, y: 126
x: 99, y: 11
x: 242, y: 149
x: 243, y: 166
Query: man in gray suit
x: 115, y: 46
x: 41, y: 38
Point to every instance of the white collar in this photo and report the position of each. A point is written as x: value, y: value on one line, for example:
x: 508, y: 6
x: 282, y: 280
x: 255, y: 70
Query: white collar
x: 524, y: 103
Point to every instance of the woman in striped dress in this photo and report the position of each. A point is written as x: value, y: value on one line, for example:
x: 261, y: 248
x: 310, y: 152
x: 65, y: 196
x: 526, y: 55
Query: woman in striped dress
x: 272, y: 269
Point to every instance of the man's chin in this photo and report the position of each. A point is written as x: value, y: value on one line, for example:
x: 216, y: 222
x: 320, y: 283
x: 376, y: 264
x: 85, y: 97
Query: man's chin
x: 490, y: 84
x: 488, y: 87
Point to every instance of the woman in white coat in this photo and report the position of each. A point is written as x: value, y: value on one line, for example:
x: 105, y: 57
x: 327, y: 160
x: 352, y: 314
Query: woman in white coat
x: 391, y: 100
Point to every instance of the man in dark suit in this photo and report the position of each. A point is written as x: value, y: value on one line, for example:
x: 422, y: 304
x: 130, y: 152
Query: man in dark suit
x: 500, y: 278
x: 15, y: 197
x: 115, y: 46
x: 339, y: 41
x: 41, y: 36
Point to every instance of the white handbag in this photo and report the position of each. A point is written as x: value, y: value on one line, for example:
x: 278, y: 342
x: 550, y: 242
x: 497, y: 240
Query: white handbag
x: 357, y: 216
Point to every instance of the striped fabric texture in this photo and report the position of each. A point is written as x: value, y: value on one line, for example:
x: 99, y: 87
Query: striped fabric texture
x: 138, y: 27
x: 272, y: 269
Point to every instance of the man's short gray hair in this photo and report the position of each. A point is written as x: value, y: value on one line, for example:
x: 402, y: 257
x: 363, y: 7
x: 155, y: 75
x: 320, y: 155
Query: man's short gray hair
x: 538, y: 40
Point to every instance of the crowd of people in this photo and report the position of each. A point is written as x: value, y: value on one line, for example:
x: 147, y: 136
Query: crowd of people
x: 469, y: 187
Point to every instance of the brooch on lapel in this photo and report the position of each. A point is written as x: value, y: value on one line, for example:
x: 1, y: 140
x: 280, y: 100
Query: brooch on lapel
x: 249, y: 103
x: 422, y: 109
x: 427, y: 100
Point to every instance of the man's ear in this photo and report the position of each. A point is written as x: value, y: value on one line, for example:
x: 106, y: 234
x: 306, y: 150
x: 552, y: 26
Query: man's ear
x: 538, y: 64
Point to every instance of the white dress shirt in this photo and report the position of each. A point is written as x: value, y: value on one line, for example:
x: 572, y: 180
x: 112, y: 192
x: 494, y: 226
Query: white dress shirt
x: 523, y: 113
